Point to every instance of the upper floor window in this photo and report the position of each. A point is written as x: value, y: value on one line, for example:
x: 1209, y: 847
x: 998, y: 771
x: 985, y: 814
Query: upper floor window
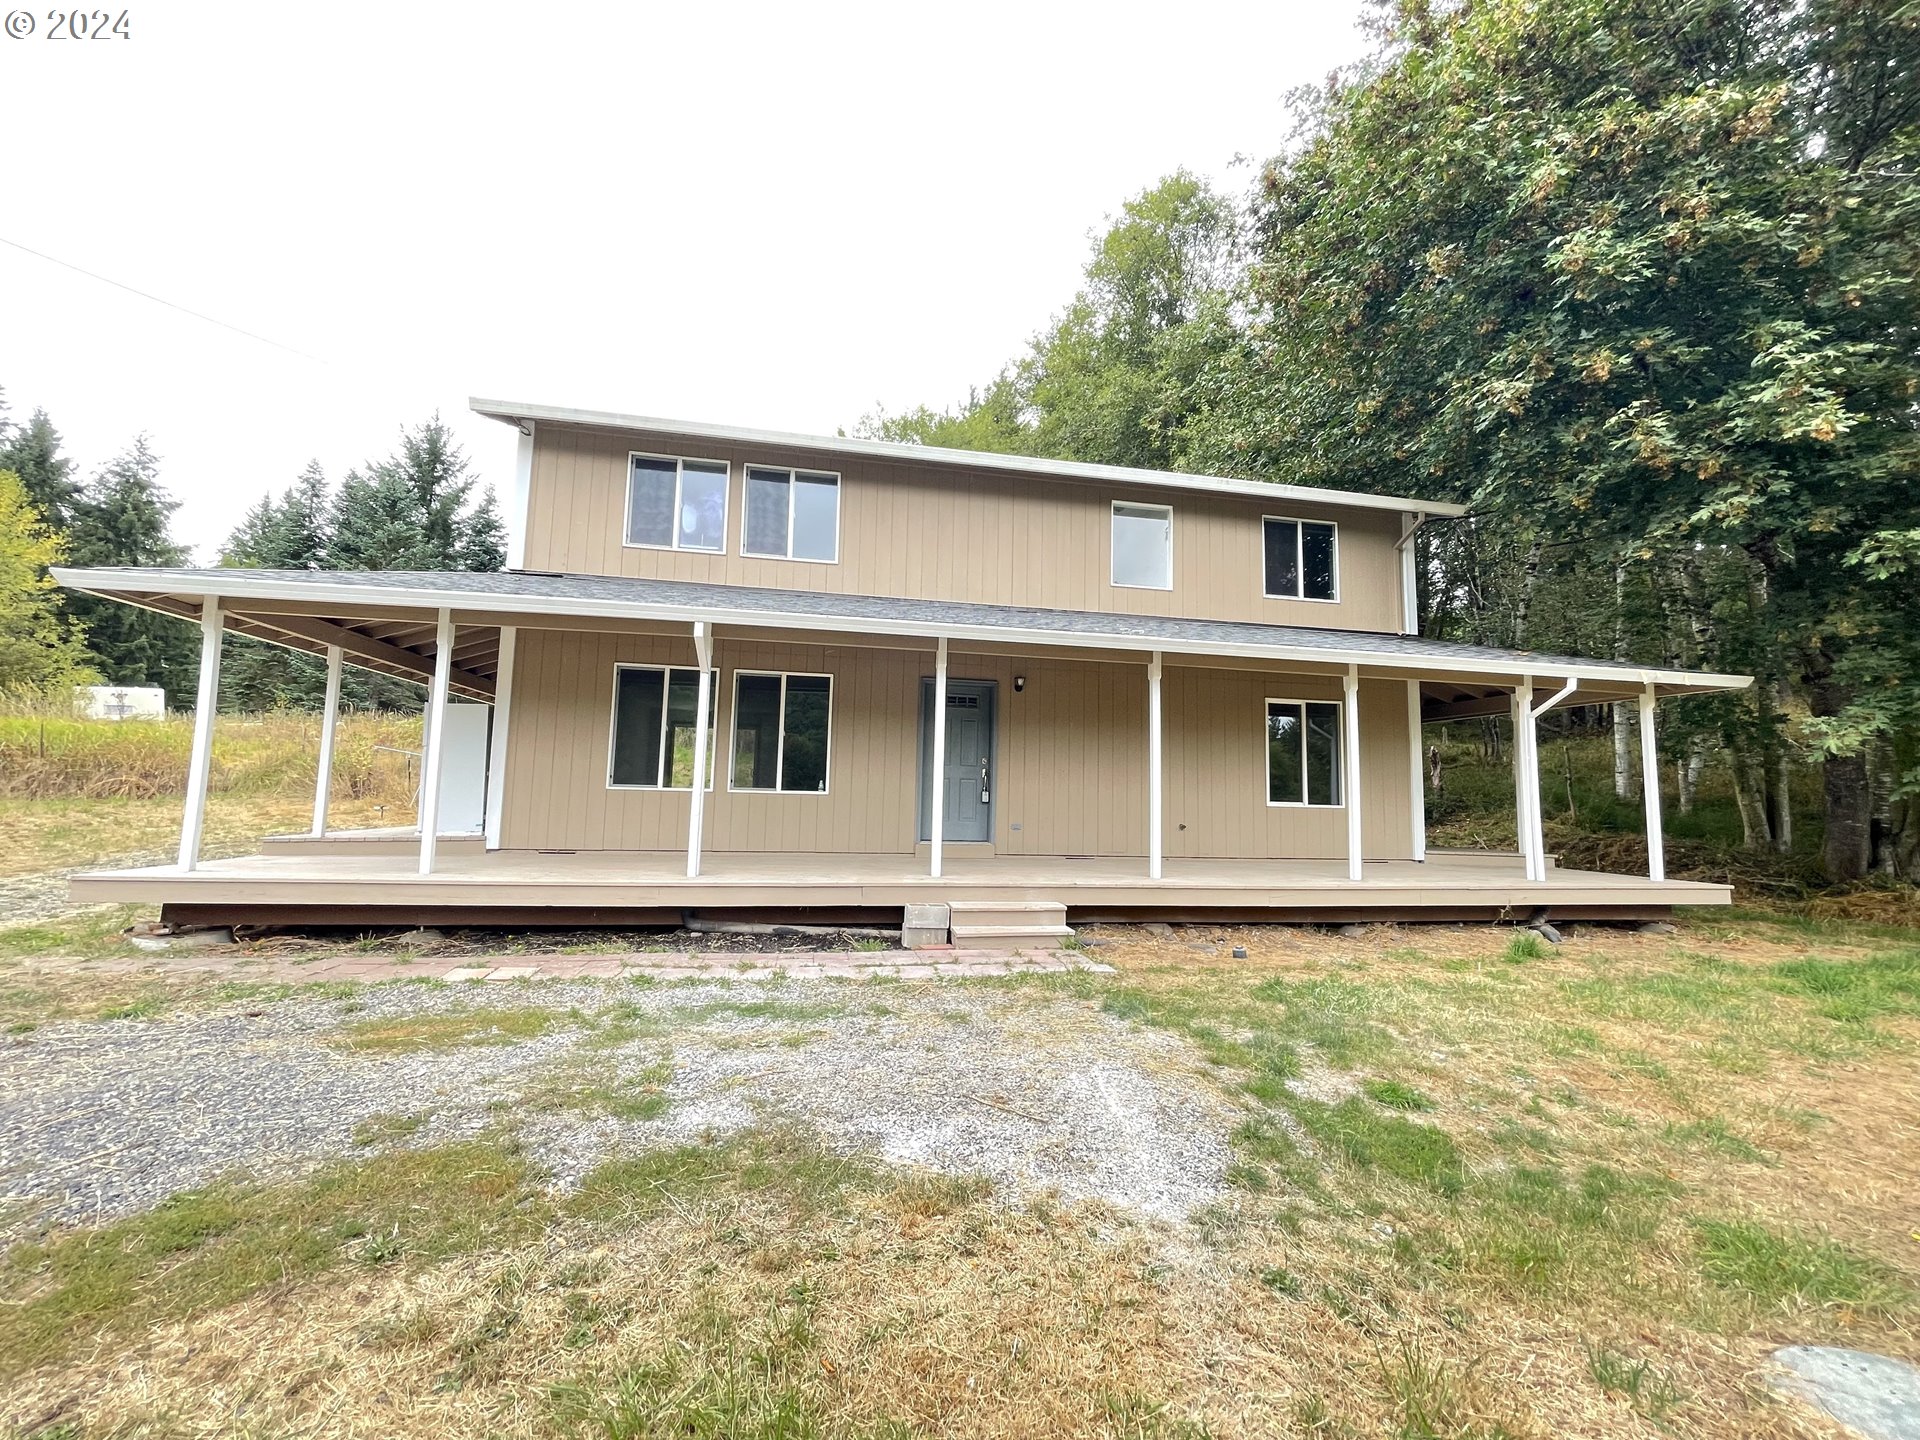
x: 1143, y: 546
x: 653, y: 728
x: 792, y: 514
x: 1303, y: 752
x: 1302, y: 559
x: 677, y: 504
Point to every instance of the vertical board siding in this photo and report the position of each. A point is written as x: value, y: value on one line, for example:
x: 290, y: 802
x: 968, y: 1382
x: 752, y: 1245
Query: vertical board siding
x: 1070, y: 757
x: 939, y: 533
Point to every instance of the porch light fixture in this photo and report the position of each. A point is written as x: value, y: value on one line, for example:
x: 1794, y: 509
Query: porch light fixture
x: 1019, y: 683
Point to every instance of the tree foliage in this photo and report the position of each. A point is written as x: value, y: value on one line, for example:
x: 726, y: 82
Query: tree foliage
x: 37, y: 651
x: 1107, y: 380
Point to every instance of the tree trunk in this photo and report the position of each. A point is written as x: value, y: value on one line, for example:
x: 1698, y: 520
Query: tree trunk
x: 1846, y: 794
x: 1690, y: 768
x: 1622, y: 752
x: 1749, y: 793
x: 1529, y: 577
x: 1782, y: 797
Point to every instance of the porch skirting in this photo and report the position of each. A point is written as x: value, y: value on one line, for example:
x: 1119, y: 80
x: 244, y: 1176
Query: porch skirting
x: 604, y: 887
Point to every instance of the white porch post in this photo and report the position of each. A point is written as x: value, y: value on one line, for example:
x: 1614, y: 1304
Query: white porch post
x: 1650, y: 788
x: 1350, y: 766
x: 1523, y: 771
x: 937, y: 760
x: 200, y: 763
x: 497, y: 737
x: 1153, y: 768
x: 323, y: 781
x: 1416, y: 774
x: 436, y: 741
x: 697, y: 803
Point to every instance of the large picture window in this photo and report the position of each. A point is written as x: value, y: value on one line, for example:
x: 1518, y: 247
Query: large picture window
x: 781, y: 732
x: 792, y: 515
x: 1143, y: 546
x: 1303, y: 752
x: 653, y: 728
x: 1302, y: 559
x: 675, y: 504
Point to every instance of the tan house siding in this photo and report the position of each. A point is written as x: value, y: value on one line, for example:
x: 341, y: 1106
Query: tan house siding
x: 1070, y: 753
x: 977, y: 536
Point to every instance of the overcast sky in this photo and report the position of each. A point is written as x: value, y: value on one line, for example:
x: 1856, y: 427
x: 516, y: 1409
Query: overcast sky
x: 775, y: 216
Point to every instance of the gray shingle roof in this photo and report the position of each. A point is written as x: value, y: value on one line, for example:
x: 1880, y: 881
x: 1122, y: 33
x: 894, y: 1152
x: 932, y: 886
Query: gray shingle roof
x: 743, y: 604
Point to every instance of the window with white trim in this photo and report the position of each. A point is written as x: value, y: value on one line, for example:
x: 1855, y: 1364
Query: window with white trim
x: 1303, y: 752
x: 792, y: 514
x: 1302, y: 559
x: 676, y: 504
x: 782, y: 730
x: 653, y: 728
x: 1143, y: 546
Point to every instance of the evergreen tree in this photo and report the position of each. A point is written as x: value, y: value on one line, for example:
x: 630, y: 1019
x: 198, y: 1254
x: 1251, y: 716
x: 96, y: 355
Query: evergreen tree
x: 32, y: 452
x: 121, y: 518
x: 416, y: 510
x: 36, y: 649
x: 288, y: 532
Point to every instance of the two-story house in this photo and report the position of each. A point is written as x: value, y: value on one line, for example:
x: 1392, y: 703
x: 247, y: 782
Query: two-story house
x: 1030, y: 689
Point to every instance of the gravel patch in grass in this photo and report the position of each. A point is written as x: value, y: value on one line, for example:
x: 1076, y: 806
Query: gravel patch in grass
x: 101, y: 1119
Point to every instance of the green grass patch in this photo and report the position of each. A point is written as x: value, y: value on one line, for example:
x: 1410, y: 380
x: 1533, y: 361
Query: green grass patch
x: 1780, y: 1270
x: 1714, y: 1134
x: 784, y: 1165
x: 488, y: 1025
x: 1420, y: 1154
x: 207, y: 1248
x: 1640, y: 1383
x: 1395, y: 1094
x: 1854, y: 992
x: 638, y: 1096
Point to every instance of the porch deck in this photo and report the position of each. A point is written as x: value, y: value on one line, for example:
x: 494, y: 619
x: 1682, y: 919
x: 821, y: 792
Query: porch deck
x: 529, y: 887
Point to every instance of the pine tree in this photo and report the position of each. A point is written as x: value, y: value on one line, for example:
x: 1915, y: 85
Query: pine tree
x: 32, y: 452
x: 416, y: 510
x: 121, y: 518
x: 288, y: 532
x: 36, y: 649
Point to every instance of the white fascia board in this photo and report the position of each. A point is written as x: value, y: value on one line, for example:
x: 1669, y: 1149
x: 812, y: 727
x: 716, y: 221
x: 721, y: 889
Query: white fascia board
x: 513, y: 412
x: 103, y: 582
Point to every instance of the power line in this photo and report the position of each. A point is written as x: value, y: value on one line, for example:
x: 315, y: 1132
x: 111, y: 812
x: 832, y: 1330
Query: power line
x: 118, y: 285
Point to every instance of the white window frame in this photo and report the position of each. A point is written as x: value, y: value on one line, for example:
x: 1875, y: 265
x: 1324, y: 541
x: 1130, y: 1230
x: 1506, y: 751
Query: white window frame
x: 1113, y: 514
x: 1306, y: 788
x: 1300, y: 559
x: 780, y: 743
x: 627, y: 542
x: 746, y: 493
x: 666, y: 692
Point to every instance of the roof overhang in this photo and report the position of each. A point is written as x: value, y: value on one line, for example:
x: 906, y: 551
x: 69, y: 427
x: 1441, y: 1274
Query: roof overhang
x: 513, y: 412
x: 384, y: 621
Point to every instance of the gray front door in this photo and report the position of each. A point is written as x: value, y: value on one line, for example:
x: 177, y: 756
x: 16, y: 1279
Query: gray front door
x: 968, y: 768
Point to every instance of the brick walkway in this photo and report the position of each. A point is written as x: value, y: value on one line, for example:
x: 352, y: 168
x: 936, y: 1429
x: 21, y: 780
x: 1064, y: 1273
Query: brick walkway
x: 233, y: 961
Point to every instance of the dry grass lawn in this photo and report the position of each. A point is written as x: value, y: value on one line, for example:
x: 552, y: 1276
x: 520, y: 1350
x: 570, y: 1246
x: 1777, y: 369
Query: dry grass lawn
x: 1483, y: 1188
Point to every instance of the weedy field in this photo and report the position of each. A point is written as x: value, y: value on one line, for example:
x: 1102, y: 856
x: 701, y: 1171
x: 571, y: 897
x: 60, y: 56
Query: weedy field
x: 1476, y: 1187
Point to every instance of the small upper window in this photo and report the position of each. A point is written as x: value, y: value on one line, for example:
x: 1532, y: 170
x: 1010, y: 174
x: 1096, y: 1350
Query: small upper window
x: 792, y: 514
x: 1303, y: 752
x: 1143, y: 546
x: 677, y: 504
x: 1301, y: 559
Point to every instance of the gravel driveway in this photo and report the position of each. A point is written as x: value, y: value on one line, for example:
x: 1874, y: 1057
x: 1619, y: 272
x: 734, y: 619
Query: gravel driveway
x: 101, y: 1118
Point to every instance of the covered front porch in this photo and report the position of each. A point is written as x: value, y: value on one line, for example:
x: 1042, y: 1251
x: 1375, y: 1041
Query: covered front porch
x: 1123, y: 757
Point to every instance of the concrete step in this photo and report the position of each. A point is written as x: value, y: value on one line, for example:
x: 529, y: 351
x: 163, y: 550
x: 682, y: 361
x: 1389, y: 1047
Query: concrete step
x: 1009, y: 937
x: 1009, y: 924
